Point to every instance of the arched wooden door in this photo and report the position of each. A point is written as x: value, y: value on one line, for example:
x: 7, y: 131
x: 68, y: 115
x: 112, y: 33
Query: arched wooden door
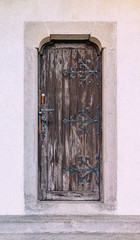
x: 70, y: 118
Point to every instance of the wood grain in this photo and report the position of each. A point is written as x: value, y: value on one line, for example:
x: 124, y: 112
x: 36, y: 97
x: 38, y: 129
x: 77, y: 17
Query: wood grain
x: 39, y: 105
x: 61, y: 144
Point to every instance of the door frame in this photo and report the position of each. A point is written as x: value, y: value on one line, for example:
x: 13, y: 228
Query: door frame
x: 104, y: 35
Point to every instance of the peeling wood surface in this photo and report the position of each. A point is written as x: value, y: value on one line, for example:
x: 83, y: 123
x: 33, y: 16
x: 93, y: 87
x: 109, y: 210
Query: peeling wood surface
x: 61, y: 145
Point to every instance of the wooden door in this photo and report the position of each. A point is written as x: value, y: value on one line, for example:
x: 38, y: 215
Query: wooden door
x: 70, y: 121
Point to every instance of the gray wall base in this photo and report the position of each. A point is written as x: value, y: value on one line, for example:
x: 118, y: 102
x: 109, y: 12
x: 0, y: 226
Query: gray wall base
x: 70, y: 227
x: 77, y: 236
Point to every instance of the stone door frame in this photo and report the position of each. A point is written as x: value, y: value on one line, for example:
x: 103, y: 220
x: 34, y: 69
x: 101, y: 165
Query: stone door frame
x: 104, y: 35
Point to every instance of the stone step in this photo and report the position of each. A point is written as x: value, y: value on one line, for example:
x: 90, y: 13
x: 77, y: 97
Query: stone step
x: 76, y: 236
x: 44, y: 227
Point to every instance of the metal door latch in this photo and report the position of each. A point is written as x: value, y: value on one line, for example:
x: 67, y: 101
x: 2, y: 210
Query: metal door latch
x: 45, y: 110
x: 44, y: 120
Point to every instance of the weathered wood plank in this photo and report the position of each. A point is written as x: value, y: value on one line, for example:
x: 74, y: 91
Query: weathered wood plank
x: 81, y: 98
x: 62, y: 144
x: 72, y: 195
x: 51, y: 117
x: 42, y: 153
x: 59, y: 146
x: 74, y: 142
x: 66, y: 110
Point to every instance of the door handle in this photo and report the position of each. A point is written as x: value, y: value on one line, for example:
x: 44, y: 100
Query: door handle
x: 44, y: 120
x: 40, y: 111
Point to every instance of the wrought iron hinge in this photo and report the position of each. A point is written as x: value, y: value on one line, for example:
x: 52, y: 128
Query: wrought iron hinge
x: 84, y: 71
x: 84, y: 169
x: 84, y: 120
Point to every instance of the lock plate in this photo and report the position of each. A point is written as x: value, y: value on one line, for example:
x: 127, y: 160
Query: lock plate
x: 44, y: 120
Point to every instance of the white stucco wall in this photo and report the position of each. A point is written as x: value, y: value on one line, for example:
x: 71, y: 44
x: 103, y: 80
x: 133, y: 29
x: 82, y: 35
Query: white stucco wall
x: 13, y: 14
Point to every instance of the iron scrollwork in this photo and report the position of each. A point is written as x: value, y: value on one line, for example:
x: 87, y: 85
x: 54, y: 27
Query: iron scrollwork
x: 84, y: 120
x: 88, y: 72
x: 84, y: 173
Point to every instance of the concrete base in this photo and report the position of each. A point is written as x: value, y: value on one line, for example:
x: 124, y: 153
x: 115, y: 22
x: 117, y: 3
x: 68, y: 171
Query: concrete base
x: 70, y: 227
x: 81, y: 236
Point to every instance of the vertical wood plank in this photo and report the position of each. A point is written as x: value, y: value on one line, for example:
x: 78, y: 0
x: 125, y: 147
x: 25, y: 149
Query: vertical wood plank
x: 61, y: 144
x: 81, y: 97
x: 39, y: 105
x: 51, y: 117
x: 91, y: 140
x: 43, y: 135
x: 75, y: 143
x: 66, y: 114
x: 59, y: 147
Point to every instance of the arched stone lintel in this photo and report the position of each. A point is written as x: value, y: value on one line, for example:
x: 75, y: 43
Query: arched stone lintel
x: 70, y: 37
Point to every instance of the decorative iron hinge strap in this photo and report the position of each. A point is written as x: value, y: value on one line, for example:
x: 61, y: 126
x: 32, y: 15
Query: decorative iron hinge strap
x: 88, y: 72
x: 84, y: 120
x: 83, y: 173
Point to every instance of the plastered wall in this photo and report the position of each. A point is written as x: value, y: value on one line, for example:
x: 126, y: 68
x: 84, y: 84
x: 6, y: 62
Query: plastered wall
x: 13, y: 15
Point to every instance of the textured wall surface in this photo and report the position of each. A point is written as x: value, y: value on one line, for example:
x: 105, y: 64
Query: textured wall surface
x: 13, y: 15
